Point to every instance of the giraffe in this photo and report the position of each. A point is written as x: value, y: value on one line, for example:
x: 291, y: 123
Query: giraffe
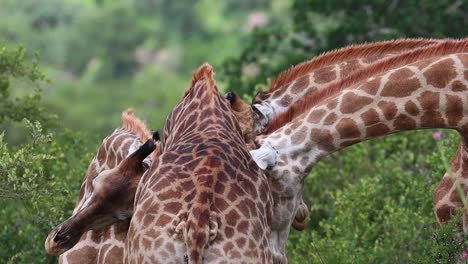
x: 287, y: 89
x: 204, y: 198
x: 446, y: 199
x: 423, y: 88
x: 105, y: 245
x: 310, y: 77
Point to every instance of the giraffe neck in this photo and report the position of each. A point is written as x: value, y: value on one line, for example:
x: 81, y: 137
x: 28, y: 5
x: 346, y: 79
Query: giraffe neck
x: 105, y: 245
x: 323, y: 70
x: 446, y: 199
x: 427, y: 94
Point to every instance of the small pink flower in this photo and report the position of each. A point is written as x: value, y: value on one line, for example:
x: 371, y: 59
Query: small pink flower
x: 437, y: 136
x: 464, y: 256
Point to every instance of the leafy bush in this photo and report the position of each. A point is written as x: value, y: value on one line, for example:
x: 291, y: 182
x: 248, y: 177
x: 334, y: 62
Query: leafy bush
x: 372, y: 203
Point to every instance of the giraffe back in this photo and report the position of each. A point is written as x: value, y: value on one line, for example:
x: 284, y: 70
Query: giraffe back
x: 203, y: 199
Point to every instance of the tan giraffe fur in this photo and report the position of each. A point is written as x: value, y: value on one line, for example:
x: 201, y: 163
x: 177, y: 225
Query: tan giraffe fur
x: 204, y: 199
x: 388, y: 96
x: 106, y: 245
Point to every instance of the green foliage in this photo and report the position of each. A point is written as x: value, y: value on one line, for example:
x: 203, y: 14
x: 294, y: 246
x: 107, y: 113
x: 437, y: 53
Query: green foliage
x: 39, y: 181
x: 13, y: 67
x: 372, y: 203
x: 114, y: 40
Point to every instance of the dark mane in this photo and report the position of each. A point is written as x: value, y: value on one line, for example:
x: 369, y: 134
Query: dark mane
x: 437, y: 50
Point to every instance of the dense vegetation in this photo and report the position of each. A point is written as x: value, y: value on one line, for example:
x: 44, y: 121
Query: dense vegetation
x: 370, y: 203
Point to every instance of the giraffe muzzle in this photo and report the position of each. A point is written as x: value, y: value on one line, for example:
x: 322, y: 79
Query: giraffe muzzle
x: 60, y: 240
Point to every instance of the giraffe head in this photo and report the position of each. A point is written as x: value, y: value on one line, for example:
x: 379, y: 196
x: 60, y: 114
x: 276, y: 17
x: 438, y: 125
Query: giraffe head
x: 252, y: 119
x: 111, y: 197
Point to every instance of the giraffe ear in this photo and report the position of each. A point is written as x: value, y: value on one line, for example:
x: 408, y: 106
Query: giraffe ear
x: 264, y: 157
x: 156, y: 136
x: 143, y: 151
x: 230, y: 96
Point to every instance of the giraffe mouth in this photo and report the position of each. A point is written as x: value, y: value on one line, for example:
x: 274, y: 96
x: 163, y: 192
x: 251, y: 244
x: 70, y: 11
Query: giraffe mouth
x: 60, y: 240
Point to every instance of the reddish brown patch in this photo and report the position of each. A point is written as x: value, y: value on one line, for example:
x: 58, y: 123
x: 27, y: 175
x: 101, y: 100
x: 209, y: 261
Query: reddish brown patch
x: 323, y: 138
x: 228, y: 247
x: 299, y: 136
x: 371, y: 87
x: 330, y: 119
x: 458, y: 86
x: 402, y: 87
x: 411, y: 108
x: 445, y: 212
x: 404, y: 122
x: 370, y: 117
x: 300, y: 84
x: 285, y: 101
x: 232, y: 217
x: 241, y: 242
x: 278, y: 93
x: 347, y: 143
x: 441, y: 73
x: 325, y: 75
x: 316, y: 116
x: 163, y: 220
x: 377, y: 130
x: 351, y: 103
x: 429, y: 101
x: 463, y: 58
x: 158, y: 242
x: 402, y: 73
x: 229, y: 231
x: 389, y: 109
x: 332, y: 104
x: 454, y: 109
x: 347, y: 128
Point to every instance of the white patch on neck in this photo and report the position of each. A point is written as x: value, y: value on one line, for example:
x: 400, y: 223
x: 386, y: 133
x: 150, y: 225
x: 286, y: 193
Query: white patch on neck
x: 265, y: 156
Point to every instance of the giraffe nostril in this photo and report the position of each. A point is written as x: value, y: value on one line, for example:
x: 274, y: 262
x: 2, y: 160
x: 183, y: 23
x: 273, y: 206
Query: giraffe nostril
x: 230, y: 96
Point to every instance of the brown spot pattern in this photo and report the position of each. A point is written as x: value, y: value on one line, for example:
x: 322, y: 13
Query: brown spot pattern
x: 400, y: 87
x: 389, y: 109
x: 454, y: 109
x: 441, y: 73
x: 347, y: 128
x: 458, y: 86
x: 429, y: 101
x: 315, y: 116
x: 371, y: 87
x: 411, y: 108
x: 370, y: 117
x: 325, y: 75
x: 377, y: 130
x: 300, y: 84
x: 351, y: 103
x: 330, y: 119
x: 404, y: 122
